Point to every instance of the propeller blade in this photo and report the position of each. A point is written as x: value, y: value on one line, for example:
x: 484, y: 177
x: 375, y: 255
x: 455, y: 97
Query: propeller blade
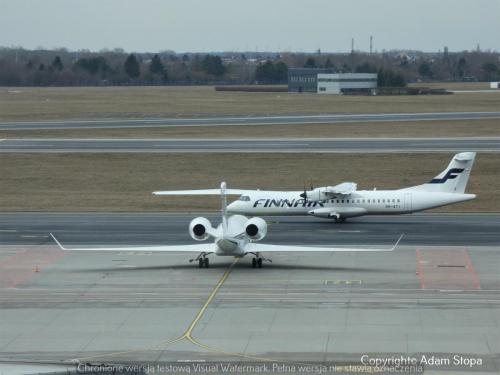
x: 304, y: 194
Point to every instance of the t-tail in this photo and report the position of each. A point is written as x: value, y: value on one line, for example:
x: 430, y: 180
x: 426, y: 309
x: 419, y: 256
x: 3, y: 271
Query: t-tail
x: 223, y: 197
x: 454, y: 178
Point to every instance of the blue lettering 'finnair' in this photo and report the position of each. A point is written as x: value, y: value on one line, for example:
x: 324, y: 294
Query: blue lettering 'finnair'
x: 263, y: 202
x: 450, y: 175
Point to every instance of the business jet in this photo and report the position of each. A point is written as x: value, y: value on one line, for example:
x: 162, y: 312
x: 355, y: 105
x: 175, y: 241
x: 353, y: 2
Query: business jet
x: 236, y: 236
x: 344, y: 201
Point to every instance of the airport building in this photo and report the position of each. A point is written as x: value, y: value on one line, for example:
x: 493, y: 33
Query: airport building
x: 346, y: 83
x: 325, y: 81
x: 305, y: 79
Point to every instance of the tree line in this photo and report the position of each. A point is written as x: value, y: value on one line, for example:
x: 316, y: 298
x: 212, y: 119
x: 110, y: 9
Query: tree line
x: 20, y: 67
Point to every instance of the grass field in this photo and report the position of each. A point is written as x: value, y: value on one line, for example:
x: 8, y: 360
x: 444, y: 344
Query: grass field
x: 454, y: 85
x: 423, y: 129
x: 18, y: 104
x: 124, y: 182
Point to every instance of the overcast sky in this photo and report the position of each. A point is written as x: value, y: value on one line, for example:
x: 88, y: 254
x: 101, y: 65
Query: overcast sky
x: 249, y: 25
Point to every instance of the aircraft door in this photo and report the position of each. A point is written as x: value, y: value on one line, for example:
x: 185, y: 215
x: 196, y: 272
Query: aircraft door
x: 407, y: 202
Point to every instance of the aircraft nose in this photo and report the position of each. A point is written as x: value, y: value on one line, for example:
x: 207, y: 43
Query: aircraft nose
x: 233, y: 207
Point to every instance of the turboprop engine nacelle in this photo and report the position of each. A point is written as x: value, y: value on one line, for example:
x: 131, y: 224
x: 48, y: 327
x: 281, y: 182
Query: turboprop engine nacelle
x: 256, y: 228
x: 316, y: 195
x: 198, y: 228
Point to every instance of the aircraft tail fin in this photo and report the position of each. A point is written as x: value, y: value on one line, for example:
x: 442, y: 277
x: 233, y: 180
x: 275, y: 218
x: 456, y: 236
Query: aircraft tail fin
x: 454, y: 178
x: 223, y: 197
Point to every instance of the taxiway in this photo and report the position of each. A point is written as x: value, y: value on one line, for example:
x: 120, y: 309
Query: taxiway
x: 247, y: 120
x: 302, y: 145
x: 437, y: 293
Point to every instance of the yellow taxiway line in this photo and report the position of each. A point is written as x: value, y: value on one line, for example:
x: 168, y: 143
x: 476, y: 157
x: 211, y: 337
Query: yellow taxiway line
x: 188, y: 333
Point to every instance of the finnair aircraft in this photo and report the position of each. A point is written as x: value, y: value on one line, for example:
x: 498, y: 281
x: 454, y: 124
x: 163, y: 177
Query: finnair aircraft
x: 345, y: 201
x: 236, y: 236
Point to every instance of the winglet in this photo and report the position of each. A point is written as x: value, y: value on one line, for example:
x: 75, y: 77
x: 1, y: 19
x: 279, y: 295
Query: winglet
x: 57, y: 242
x: 397, y: 242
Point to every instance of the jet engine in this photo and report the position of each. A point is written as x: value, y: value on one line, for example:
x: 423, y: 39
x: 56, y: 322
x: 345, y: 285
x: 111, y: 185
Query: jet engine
x: 198, y: 228
x: 256, y: 228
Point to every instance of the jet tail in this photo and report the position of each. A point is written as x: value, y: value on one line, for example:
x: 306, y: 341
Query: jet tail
x: 454, y: 178
x: 224, y: 206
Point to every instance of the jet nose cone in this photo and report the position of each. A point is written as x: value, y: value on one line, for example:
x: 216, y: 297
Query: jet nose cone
x: 233, y: 207
x: 303, y: 195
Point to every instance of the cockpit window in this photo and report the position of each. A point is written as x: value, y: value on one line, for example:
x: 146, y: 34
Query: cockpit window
x: 245, y: 198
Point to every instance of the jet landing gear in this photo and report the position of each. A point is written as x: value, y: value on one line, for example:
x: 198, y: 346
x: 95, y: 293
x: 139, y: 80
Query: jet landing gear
x: 202, y: 260
x: 257, y: 260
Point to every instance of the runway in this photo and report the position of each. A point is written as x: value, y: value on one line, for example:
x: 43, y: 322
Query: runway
x: 248, y: 120
x: 156, y: 228
x: 437, y: 294
x: 302, y: 145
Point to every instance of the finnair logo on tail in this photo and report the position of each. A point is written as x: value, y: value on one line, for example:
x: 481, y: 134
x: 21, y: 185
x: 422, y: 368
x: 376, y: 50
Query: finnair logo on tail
x: 450, y: 175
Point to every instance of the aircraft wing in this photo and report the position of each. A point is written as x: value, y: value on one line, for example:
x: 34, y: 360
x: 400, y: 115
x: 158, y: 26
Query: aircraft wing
x: 196, y: 248
x: 204, y: 192
x: 344, y: 188
x: 258, y: 247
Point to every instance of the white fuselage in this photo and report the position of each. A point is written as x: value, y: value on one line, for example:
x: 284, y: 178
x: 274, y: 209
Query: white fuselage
x: 359, y: 203
x: 231, y: 243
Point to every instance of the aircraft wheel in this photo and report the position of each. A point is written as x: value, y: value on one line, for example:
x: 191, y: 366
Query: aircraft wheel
x: 254, y: 262
x: 200, y: 263
x: 259, y: 262
x: 206, y: 262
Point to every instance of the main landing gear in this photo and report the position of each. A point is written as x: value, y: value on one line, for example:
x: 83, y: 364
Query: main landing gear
x: 257, y: 260
x: 202, y: 260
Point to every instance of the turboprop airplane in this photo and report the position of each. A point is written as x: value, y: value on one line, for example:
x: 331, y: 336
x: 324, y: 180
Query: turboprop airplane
x: 345, y: 201
x: 236, y: 236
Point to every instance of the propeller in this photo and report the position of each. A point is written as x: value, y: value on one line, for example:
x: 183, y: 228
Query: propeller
x: 304, y: 194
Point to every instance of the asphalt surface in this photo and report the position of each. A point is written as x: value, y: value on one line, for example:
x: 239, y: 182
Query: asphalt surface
x: 331, y: 145
x: 260, y: 120
x: 155, y: 228
x: 120, y: 307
